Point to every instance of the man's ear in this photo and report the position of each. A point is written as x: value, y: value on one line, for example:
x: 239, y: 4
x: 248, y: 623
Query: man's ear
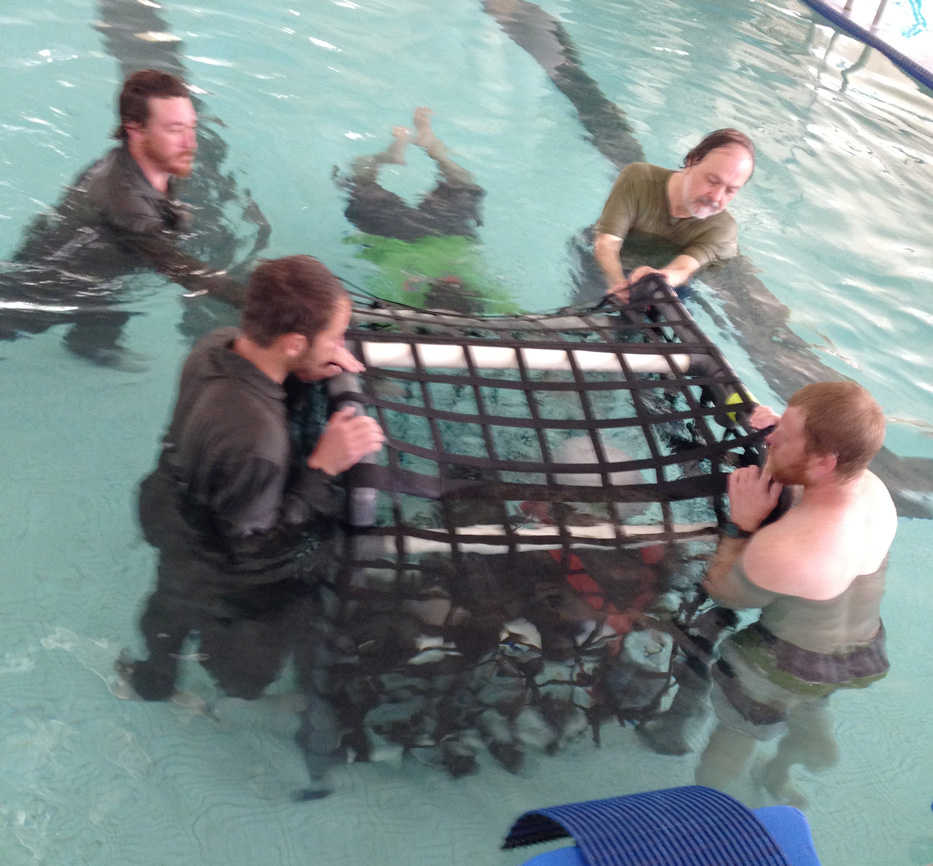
x: 822, y: 465
x: 133, y: 129
x: 293, y: 345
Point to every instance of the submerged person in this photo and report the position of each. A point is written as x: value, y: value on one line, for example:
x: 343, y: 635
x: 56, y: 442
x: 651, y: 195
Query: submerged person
x: 235, y: 493
x: 428, y: 254
x: 121, y: 215
x: 685, y: 208
x: 817, y: 573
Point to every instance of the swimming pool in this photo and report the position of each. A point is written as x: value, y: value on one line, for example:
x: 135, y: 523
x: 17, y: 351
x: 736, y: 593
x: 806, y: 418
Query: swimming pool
x: 833, y: 220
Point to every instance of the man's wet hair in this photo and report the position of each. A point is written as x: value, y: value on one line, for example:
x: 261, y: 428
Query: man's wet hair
x: 291, y: 295
x: 720, y: 138
x: 138, y: 89
x: 841, y: 418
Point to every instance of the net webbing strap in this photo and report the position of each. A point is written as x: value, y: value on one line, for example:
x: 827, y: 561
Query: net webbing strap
x: 405, y: 481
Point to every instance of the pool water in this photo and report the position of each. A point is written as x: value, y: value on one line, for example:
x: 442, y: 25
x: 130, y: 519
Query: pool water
x: 836, y: 221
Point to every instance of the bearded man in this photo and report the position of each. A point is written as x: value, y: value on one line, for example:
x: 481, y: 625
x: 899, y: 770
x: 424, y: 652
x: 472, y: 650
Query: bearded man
x: 119, y: 216
x: 817, y: 573
x: 685, y: 209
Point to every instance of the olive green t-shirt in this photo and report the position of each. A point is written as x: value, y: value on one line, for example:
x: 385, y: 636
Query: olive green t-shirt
x: 638, y: 203
x: 823, y: 626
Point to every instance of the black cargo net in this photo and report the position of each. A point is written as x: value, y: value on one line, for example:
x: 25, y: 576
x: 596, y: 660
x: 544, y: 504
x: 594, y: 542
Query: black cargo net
x: 610, y: 428
x: 529, y: 543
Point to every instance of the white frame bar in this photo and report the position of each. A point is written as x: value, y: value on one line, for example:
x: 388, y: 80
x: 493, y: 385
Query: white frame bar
x: 444, y: 356
x: 581, y: 536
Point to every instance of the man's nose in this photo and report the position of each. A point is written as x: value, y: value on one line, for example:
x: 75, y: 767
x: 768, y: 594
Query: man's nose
x: 191, y: 139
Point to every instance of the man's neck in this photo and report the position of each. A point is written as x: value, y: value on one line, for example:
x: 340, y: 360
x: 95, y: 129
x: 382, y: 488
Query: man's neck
x: 158, y: 179
x: 267, y: 361
x: 675, y: 196
x: 832, y: 492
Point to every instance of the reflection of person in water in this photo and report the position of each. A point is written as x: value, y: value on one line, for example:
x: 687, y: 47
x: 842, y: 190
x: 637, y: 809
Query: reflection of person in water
x: 817, y: 573
x: 233, y: 496
x: 428, y: 254
x: 685, y: 208
x: 120, y: 215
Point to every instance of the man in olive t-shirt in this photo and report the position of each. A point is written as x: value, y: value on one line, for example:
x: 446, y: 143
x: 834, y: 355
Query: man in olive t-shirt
x: 685, y: 207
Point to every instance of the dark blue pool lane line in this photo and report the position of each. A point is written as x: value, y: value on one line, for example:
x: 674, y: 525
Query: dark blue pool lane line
x: 912, y: 67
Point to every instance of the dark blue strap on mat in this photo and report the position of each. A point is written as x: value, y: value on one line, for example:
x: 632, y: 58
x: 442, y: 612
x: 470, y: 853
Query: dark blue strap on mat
x: 688, y: 826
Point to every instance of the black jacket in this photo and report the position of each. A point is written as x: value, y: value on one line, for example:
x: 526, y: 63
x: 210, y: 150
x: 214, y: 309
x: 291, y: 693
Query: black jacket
x: 232, y: 487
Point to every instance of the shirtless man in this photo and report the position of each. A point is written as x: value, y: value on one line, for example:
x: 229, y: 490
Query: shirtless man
x: 685, y: 208
x: 817, y: 574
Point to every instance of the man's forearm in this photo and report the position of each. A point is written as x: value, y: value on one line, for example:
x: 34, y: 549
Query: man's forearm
x: 678, y: 271
x: 727, y: 554
x: 607, y: 250
x: 187, y: 271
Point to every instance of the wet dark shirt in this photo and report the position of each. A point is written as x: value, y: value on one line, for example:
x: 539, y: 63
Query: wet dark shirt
x: 231, y: 470
x: 112, y: 222
x: 448, y: 209
x: 119, y: 192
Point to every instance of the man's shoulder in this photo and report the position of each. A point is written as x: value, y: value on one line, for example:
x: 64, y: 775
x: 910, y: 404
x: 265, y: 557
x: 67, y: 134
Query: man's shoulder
x: 214, y: 364
x: 238, y: 408
x: 816, y: 551
x: 108, y: 171
x: 119, y: 191
x: 776, y: 551
x: 878, y: 516
x: 639, y: 194
x: 797, y: 554
x: 211, y: 341
x: 876, y: 494
x: 206, y: 360
x: 644, y: 172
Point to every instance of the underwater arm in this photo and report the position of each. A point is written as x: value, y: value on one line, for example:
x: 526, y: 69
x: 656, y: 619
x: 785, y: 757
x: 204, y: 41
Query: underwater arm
x: 189, y: 272
x: 723, y: 582
x: 608, y: 249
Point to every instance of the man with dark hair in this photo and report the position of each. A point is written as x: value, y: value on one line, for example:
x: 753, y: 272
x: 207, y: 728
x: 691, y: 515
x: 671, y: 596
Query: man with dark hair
x: 685, y: 208
x: 235, y: 491
x: 817, y: 573
x: 132, y: 186
x: 120, y: 215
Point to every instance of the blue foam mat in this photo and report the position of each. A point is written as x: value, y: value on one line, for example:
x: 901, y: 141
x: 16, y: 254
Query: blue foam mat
x: 688, y: 825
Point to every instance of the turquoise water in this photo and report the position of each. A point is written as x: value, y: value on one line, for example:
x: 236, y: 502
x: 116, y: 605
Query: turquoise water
x: 836, y: 220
